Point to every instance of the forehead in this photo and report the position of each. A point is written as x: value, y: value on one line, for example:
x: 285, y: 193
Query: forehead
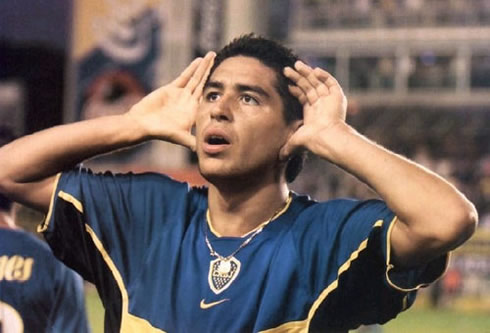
x: 244, y: 70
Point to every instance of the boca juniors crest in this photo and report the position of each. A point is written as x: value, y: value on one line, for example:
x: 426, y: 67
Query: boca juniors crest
x: 222, y: 273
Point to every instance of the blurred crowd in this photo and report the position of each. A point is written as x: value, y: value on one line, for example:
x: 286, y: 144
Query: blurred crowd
x: 453, y: 143
x: 394, y: 13
x: 426, y: 69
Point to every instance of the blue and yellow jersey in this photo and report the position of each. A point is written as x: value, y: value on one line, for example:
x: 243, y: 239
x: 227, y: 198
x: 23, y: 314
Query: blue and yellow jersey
x: 141, y: 239
x: 37, y: 292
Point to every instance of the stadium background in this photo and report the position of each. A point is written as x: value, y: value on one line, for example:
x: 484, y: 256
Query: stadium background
x: 416, y: 73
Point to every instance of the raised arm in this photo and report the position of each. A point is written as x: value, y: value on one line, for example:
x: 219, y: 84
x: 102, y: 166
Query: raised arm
x: 434, y: 217
x: 30, y: 163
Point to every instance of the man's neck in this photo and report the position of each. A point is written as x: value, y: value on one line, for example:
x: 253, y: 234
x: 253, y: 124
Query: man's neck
x: 6, y: 221
x: 235, y: 213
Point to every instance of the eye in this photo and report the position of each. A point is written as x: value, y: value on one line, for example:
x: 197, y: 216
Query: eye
x: 212, y: 96
x: 247, y: 99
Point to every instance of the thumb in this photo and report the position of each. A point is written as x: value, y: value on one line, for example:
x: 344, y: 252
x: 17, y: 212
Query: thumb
x: 187, y: 140
x: 291, y: 144
x: 286, y: 151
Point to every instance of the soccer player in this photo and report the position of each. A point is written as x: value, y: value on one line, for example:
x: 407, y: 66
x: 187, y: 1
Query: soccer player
x: 37, y: 292
x: 244, y: 253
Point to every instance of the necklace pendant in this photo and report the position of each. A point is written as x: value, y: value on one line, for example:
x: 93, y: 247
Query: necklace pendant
x: 222, y: 273
x: 224, y: 267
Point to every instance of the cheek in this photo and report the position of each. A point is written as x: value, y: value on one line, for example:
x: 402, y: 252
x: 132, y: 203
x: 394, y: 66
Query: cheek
x: 266, y: 140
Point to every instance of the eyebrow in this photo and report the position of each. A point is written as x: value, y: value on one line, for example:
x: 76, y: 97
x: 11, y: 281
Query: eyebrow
x: 239, y: 87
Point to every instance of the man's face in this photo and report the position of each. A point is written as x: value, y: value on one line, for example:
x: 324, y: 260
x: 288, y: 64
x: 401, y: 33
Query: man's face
x: 240, y: 127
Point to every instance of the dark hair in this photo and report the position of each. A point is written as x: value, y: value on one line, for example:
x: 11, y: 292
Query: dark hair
x: 276, y: 57
x: 6, y: 136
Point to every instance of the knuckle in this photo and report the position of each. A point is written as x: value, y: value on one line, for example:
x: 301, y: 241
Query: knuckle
x: 312, y: 77
x: 303, y: 82
x: 311, y: 94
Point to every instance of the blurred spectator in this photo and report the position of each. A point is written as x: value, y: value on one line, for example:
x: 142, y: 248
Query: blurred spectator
x: 37, y: 292
x: 350, y: 14
x: 432, y: 71
x: 452, y: 282
x: 363, y: 77
x: 480, y: 71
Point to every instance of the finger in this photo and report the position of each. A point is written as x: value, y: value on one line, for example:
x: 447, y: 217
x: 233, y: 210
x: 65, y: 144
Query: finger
x: 284, y: 153
x: 288, y: 150
x: 298, y: 93
x: 199, y: 74
x: 305, y: 82
x: 318, y: 78
x: 186, y: 75
x: 324, y: 76
x: 188, y: 140
x: 299, y: 79
x: 307, y: 93
x: 291, y: 74
x: 302, y: 96
x: 307, y: 89
x: 208, y: 64
x: 309, y: 74
x: 329, y: 80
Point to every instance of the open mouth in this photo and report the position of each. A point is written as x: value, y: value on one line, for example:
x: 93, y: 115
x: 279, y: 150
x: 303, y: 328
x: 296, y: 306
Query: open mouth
x: 217, y: 140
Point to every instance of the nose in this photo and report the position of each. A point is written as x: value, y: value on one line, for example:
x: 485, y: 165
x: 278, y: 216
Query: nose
x: 221, y: 110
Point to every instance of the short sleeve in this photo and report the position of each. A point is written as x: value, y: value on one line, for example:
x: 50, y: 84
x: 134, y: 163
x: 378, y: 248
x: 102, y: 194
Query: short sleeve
x: 372, y: 221
x: 105, y: 221
x: 414, y: 278
x: 345, y: 247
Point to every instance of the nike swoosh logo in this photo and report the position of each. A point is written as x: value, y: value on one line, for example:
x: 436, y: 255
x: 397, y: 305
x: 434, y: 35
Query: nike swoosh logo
x: 205, y: 306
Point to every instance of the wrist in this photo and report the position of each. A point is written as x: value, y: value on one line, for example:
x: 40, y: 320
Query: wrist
x: 332, y: 142
x: 135, y: 128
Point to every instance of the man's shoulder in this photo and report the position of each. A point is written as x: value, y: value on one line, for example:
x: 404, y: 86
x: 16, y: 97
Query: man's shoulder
x: 311, y: 205
x: 21, y: 239
x: 336, y: 213
x: 149, y: 180
x: 23, y: 247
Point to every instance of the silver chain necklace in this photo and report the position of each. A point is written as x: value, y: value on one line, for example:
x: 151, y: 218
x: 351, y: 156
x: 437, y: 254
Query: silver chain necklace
x: 224, y: 270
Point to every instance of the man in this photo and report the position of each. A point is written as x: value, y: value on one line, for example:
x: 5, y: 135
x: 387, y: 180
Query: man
x: 244, y: 254
x: 37, y: 292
